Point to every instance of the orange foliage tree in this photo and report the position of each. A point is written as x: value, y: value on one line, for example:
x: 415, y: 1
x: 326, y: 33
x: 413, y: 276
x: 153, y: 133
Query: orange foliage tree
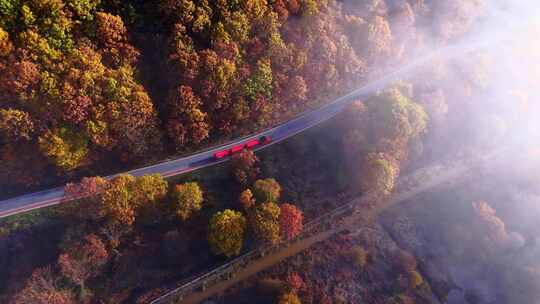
x: 246, y: 199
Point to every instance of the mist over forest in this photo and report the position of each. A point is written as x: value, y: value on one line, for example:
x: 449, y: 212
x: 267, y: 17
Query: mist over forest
x: 94, y: 88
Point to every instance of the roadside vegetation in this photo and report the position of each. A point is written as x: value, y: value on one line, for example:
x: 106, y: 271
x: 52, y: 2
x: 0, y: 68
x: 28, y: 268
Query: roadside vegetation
x: 164, y: 230
x: 96, y: 87
x: 89, y: 88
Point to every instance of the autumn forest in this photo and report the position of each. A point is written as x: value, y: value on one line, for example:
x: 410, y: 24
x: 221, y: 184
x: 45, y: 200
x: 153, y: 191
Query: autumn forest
x: 93, y: 88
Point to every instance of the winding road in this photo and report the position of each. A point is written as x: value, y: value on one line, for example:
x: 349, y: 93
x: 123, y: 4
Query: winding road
x: 279, y: 133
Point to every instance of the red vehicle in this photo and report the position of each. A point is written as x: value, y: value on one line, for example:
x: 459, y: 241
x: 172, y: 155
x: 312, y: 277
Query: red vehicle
x: 252, y: 143
x: 263, y: 140
x: 221, y: 154
x: 237, y: 148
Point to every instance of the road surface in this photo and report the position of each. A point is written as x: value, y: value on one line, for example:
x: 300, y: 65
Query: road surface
x: 203, y: 159
x: 279, y: 133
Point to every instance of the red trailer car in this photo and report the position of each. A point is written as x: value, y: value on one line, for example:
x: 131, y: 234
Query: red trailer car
x: 263, y: 140
x: 252, y: 143
x: 221, y: 154
x: 237, y: 148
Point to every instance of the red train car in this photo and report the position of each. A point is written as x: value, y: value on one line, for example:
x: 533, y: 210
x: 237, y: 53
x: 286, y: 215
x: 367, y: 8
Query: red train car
x: 263, y: 140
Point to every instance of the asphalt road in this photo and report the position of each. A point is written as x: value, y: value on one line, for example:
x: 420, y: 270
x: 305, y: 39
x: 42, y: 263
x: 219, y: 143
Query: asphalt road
x: 279, y: 133
x: 203, y: 159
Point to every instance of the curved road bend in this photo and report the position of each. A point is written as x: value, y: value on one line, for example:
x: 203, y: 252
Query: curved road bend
x: 279, y: 133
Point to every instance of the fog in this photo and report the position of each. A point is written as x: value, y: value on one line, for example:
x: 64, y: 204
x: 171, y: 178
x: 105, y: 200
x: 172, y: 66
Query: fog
x: 497, y: 63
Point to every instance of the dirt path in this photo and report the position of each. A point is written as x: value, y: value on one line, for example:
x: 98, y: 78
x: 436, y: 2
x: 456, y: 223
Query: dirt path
x: 349, y: 223
x: 408, y: 187
x: 260, y: 265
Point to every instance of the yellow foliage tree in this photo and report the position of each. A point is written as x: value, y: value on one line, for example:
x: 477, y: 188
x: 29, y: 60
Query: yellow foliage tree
x: 188, y: 199
x: 226, y: 232
x: 266, y: 190
x: 289, y: 297
x: 117, y: 199
x: 66, y: 148
x: 265, y: 222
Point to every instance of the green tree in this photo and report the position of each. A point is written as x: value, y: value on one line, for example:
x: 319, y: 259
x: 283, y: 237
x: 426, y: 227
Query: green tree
x: 188, y: 199
x: 238, y: 25
x: 226, y: 232
x: 260, y: 84
x: 83, y: 9
x: 266, y: 190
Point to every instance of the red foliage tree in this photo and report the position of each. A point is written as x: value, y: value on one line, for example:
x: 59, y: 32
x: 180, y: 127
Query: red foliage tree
x: 245, y: 167
x: 187, y: 122
x: 88, y: 186
x: 290, y: 221
x: 84, y: 260
x: 295, y: 281
x: 87, y: 192
x: 112, y: 34
x: 77, y: 109
x: 43, y: 287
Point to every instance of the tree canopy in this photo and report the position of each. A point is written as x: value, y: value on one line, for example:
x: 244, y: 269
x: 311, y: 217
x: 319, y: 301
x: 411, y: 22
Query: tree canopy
x: 226, y: 232
x: 266, y: 190
x: 290, y: 221
x: 188, y: 199
x: 264, y: 220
